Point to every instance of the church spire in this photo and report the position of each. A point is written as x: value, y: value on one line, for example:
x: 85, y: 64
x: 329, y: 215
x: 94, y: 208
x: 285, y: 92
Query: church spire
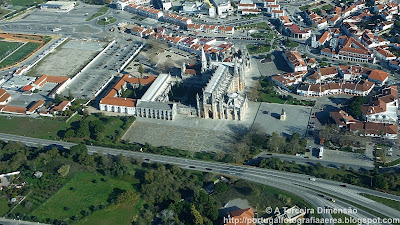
x: 236, y: 67
x: 203, y: 61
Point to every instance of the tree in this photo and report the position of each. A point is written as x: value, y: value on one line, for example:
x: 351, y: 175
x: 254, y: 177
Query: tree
x: 220, y: 187
x: 126, y: 196
x: 140, y: 70
x: 70, y: 96
x: 70, y: 133
x: 276, y: 142
x: 354, y: 106
x: 57, y: 99
x: 83, y: 130
x: 197, y: 218
x: 97, y: 126
x: 79, y: 149
x: 64, y: 170
x: 380, y: 182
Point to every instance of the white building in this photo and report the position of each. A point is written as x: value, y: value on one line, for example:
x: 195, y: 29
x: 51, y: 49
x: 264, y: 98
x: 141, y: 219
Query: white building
x: 223, y: 7
x: 59, y: 6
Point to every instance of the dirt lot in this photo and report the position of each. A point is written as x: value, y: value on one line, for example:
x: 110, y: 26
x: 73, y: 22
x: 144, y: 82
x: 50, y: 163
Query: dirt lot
x: 159, y: 58
x: 67, y: 59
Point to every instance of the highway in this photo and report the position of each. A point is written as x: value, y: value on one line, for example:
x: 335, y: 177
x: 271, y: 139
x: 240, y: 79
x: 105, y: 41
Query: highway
x: 298, y: 184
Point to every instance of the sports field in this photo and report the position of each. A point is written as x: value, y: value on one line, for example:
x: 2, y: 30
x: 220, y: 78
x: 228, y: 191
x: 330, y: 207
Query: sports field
x: 20, y: 54
x: 7, y: 47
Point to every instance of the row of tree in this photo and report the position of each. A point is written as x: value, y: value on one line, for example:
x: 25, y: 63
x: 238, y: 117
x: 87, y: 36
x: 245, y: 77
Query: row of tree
x: 370, y: 179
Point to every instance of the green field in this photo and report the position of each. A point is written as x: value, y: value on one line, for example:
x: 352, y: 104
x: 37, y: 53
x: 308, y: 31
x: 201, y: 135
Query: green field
x: 110, y: 20
x: 20, y: 54
x: 80, y: 193
x: 116, y: 214
x: 24, y: 3
x: 45, y: 128
x: 3, y: 206
x: 7, y: 47
x: 100, y: 12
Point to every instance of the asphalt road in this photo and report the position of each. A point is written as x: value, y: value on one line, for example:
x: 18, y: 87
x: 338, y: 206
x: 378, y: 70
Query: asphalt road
x: 303, y: 160
x: 4, y: 221
x: 298, y: 184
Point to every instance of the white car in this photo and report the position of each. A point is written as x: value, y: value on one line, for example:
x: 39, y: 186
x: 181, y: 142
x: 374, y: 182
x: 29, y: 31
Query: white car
x: 312, y: 179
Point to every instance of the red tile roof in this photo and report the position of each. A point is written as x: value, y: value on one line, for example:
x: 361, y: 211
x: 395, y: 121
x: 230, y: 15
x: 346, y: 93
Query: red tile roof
x: 378, y: 75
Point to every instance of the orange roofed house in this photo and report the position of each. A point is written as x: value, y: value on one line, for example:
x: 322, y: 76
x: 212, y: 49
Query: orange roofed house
x: 240, y: 217
x: 4, y: 97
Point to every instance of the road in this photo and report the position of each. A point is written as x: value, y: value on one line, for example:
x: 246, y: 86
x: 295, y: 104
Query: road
x: 4, y: 221
x: 298, y: 184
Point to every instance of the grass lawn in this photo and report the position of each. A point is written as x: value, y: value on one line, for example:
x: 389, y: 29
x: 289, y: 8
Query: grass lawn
x: 3, y: 12
x: 3, y: 206
x: 304, y: 8
x: 272, y: 98
x: 388, y: 202
x: 7, y: 47
x: 268, y: 36
x: 25, y: 3
x: 45, y: 128
x: 110, y: 20
x: 256, y: 49
x: 20, y: 54
x: 100, y: 12
x: 291, y: 44
x: 327, y: 7
x: 80, y: 193
x: 262, y: 25
x: 115, y: 214
x: 260, y: 196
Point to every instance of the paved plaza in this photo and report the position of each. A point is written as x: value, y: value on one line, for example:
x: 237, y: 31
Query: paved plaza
x: 190, y: 133
x: 296, y: 118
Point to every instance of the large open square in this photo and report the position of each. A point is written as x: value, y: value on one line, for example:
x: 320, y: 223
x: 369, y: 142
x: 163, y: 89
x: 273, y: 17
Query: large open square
x: 190, y: 133
x: 68, y: 58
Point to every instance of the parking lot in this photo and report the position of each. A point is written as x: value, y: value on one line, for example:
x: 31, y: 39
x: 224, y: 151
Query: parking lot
x: 100, y: 71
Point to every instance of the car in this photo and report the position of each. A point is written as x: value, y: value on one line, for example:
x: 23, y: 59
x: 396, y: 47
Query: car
x: 312, y: 179
x: 331, y: 199
x: 192, y: 167
x: 343, y: 185
x: 146, y: 159
x: 321, y: 195
x: 225, y: 205
x: 208, y: 169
